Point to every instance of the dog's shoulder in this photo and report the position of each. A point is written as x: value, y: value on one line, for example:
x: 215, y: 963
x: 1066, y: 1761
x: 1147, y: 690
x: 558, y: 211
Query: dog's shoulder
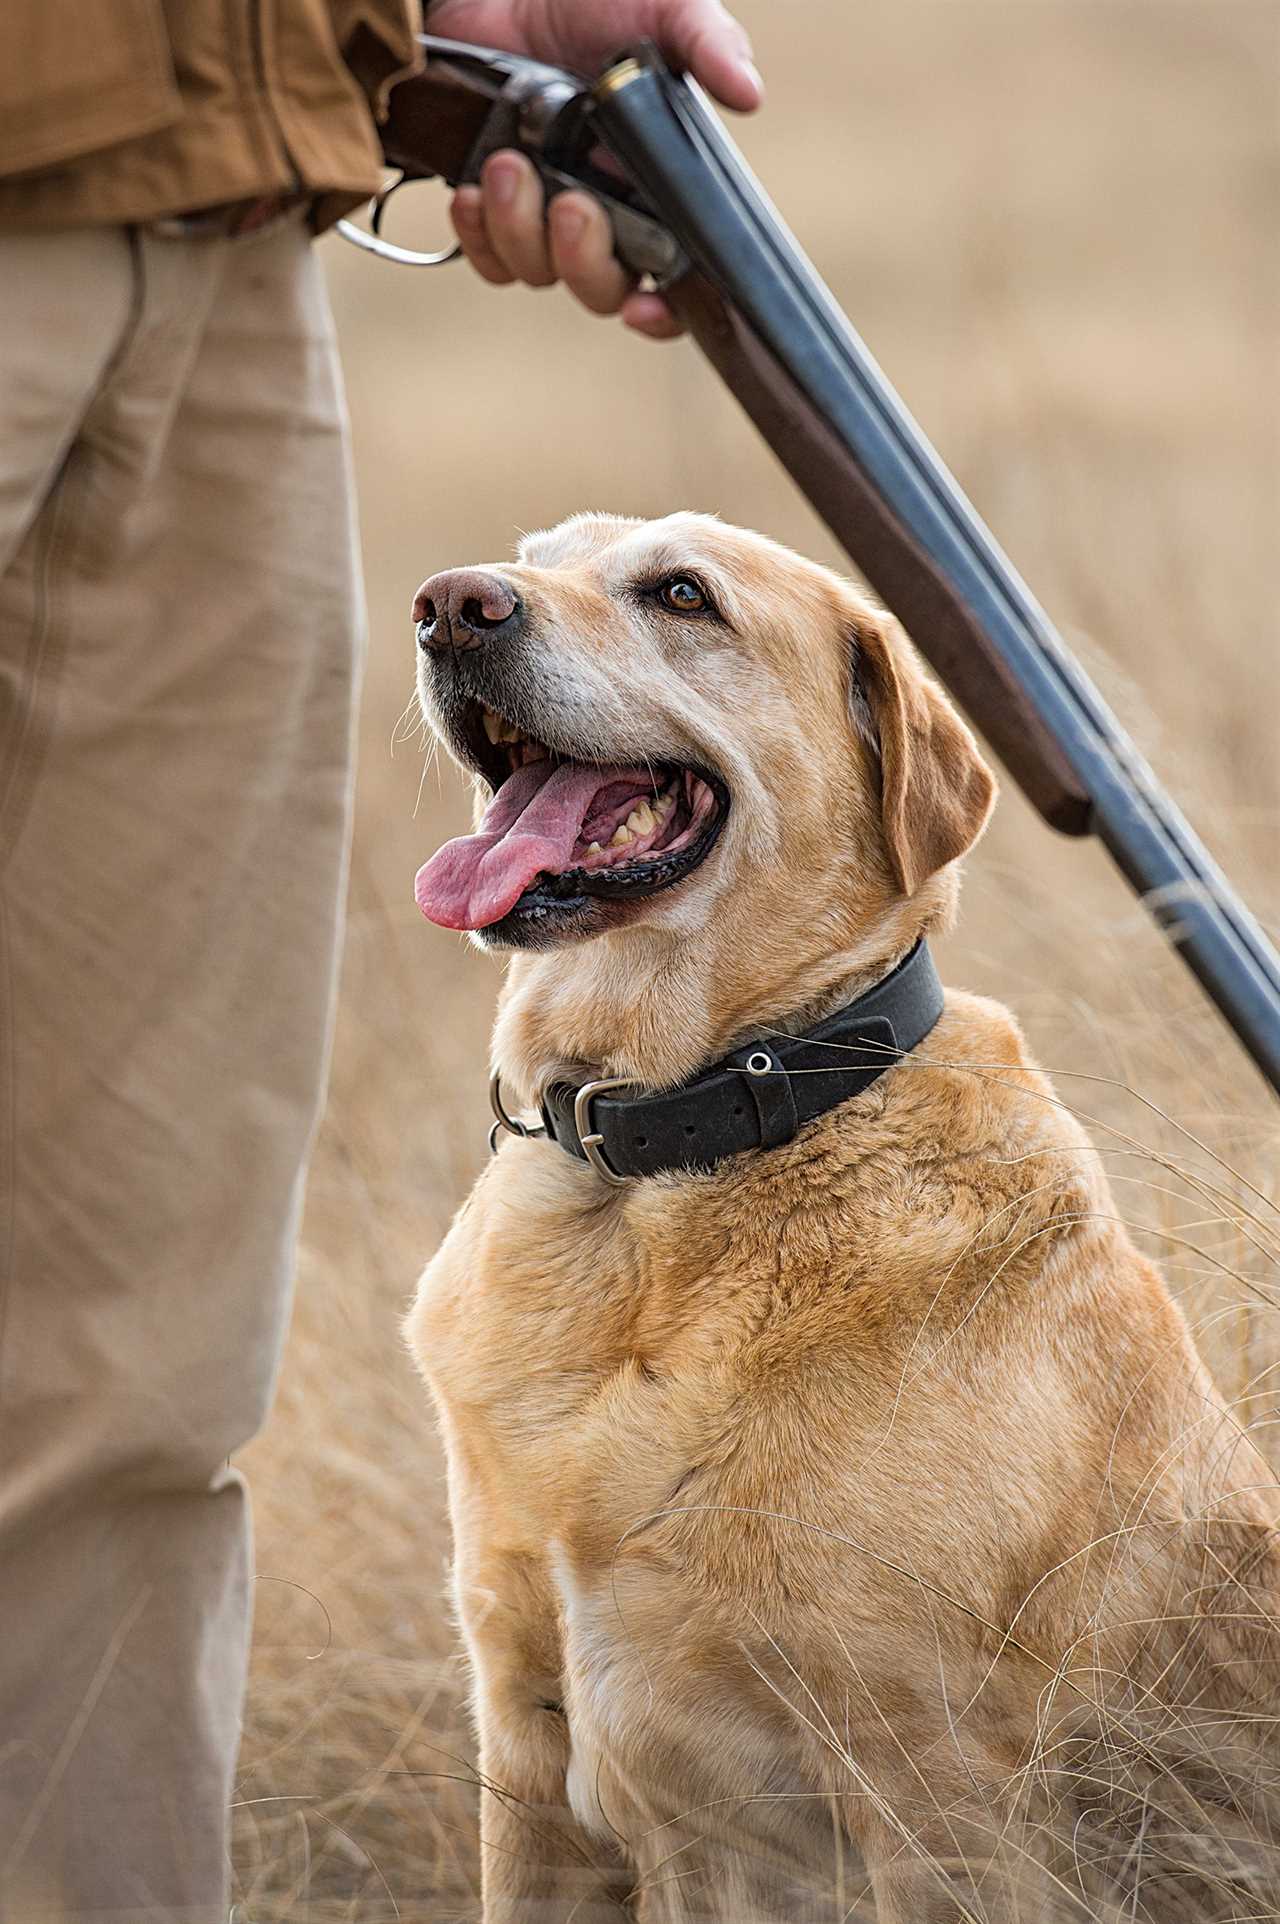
x: 983, y: 1079
x: 935, y: 1164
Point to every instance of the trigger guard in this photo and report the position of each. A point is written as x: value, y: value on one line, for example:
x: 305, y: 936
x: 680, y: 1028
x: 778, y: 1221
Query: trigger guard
x: 373, y: 243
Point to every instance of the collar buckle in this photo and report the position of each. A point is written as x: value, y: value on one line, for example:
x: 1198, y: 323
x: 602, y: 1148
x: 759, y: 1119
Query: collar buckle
x: 588, y: 1135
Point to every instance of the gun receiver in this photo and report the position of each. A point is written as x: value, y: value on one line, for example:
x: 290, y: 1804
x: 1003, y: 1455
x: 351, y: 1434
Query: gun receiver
x: 466, y: 103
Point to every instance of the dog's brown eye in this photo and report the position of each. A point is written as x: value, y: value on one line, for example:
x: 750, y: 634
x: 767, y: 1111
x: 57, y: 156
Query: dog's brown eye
x: 682, y: 594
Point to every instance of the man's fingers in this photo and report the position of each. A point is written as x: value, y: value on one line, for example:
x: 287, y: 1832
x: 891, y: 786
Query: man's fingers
x: 576, y: 245
x: 513, y: 217
x: 649, y: 314
x: 582, y: 253
x: 715, y: 47
x: 467, y: 213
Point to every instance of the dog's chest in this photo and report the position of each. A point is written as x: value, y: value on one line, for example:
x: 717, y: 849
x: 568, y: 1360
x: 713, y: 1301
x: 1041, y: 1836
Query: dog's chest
x: 573, y: 1401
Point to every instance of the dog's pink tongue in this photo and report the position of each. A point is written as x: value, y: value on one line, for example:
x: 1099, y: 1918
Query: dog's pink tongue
x: 531, y: 825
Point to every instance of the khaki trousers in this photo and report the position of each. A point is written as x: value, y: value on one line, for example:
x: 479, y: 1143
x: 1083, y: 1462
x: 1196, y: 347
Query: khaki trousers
x: 179, y: 633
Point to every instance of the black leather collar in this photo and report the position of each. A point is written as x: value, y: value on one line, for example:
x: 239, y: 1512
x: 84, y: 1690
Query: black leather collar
x: 756, y: 1098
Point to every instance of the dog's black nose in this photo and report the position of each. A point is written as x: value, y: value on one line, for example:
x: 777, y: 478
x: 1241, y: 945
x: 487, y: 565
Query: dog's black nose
x: 463, y: 607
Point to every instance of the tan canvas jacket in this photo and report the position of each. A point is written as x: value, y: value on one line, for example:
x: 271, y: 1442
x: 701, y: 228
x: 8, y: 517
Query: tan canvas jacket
x: 128, y: 110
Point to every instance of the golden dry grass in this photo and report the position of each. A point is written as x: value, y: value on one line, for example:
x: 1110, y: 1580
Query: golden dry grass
x: 1056, y: 223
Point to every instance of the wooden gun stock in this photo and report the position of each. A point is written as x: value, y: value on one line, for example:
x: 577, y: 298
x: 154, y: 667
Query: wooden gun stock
x: 435, y: 119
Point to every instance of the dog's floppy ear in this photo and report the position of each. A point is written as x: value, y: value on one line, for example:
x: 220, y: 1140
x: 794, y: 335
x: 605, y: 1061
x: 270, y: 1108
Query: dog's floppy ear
x: 936, y: 791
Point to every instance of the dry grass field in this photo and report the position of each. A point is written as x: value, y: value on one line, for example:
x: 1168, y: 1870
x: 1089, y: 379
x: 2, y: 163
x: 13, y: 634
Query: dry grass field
x: 1057, y: 224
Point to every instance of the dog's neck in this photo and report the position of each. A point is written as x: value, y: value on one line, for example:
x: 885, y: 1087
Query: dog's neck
x: 656, y: 1007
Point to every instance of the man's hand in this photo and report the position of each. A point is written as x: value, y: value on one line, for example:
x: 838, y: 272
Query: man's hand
x: 500, y: 224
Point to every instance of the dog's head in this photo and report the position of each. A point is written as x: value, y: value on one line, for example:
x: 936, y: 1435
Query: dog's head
x: 716, y: 784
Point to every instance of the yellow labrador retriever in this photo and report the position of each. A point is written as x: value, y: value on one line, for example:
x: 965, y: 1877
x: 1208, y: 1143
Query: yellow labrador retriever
x: 845, y: 1526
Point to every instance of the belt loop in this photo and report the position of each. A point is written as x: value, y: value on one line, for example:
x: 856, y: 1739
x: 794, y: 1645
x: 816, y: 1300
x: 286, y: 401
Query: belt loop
x: 769, y: 1086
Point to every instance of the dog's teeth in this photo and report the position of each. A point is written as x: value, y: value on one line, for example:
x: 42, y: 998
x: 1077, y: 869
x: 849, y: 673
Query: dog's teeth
x: 664, y: 803
x: 498, y: 729
x: 594, y: 848
x: 621, y: 836
x: 640, y: 821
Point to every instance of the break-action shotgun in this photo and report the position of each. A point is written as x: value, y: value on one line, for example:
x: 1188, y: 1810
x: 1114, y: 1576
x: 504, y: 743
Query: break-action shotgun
x: 689, y: 218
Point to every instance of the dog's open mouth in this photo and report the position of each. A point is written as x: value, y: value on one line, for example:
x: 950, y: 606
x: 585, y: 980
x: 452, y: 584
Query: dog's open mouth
x: 563, y: 835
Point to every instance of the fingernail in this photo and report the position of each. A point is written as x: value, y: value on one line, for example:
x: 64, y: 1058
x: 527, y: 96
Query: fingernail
x: 502, y: 178
x: 752, y: 72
